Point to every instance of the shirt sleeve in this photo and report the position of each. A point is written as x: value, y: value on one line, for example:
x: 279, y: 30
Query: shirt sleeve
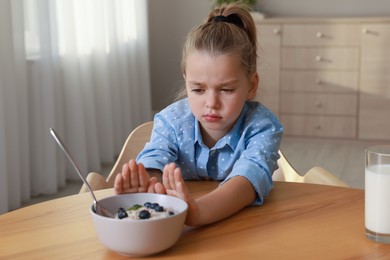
x: 259, y: 159
x: 162, y: 148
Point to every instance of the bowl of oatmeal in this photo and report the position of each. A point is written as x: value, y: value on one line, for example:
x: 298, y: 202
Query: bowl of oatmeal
x: 144, y: 223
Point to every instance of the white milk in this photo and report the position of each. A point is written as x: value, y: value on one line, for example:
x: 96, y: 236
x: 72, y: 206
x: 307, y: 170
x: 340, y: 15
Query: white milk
x: 377, y: 204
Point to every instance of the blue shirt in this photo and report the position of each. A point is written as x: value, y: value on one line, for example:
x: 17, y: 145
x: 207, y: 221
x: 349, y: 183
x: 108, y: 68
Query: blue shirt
x: 249, y: 149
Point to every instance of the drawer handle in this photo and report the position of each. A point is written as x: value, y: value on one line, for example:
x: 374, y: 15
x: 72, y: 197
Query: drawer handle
x: 318, y: 58
x: 318, y: 126
x: 276, y: 31
x: 367, y: 31
x: 319, y: 35
x: 318, y: 104
x: 319, y: 82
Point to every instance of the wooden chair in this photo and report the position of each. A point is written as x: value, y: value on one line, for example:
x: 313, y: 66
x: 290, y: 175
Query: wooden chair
x: 140, y: 135
x: 316, y: 175
x: 133, y: 145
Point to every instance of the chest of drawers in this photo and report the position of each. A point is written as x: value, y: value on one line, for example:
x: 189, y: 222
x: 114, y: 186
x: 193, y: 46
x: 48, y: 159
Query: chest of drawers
x: 324, y: 68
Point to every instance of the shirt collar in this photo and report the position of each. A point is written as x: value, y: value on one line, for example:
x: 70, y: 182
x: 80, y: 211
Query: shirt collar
x: 198, y: 136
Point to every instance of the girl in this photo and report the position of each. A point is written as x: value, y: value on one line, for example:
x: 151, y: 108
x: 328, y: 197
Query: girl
x: 215, y: 133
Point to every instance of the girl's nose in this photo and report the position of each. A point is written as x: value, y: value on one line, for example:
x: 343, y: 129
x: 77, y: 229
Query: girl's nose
x: 212, y: 101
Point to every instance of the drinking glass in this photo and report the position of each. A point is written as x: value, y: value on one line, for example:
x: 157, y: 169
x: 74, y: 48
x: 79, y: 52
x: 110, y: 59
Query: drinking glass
x: 377, y: 193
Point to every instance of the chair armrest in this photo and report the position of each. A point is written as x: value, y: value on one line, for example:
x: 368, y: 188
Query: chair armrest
x: 96, y: 181
x: 320, y: 175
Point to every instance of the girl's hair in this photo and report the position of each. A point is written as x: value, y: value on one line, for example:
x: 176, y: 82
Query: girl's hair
x: 228, y: 29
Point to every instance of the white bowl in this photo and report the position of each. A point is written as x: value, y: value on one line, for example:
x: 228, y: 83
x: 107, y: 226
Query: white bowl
x: 140, y: 237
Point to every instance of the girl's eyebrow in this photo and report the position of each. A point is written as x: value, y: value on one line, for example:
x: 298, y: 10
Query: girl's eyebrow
x: 194, y: 82
x: 224, y: 83
x: 228, y: 82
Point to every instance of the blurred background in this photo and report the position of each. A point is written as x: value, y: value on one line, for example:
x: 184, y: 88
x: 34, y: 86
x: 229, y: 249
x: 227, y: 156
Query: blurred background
x: 95, y: 69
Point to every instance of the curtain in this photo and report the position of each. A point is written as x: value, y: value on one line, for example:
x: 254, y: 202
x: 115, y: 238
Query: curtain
x: 78, y: 66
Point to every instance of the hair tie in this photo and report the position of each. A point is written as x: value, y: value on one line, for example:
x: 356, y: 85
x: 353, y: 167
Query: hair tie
x: 232, y: 18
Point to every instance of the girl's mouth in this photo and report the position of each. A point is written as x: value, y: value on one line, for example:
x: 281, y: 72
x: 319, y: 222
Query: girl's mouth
x: 212, y: 117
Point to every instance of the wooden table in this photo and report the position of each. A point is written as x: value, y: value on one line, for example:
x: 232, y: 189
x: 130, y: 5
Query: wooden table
x: 297, y: 221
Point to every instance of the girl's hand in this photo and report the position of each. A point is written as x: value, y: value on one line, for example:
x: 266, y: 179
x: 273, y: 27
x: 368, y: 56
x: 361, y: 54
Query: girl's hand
x: 134, y: 178
x: 175, y: 186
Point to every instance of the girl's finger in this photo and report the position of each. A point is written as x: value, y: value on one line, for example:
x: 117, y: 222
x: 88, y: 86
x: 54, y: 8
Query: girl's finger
x: 181, y: 188
x: 171, y: 171
x: 152, y: 182
x: 165, y: 177
x: 143, y: 178
x: 177, y: 175
x: 118, y: 184
x: 159, y: 188
x: 134, y: 178
x: 125, y: 177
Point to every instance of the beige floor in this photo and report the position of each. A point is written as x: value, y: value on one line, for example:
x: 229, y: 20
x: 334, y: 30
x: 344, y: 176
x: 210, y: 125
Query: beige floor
x: 343, y: 158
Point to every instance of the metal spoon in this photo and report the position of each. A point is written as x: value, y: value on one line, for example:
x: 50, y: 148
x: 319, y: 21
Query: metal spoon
x: 99, y: 209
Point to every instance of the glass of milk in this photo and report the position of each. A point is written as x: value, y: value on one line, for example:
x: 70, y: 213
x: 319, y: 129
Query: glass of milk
x: 377, y: 193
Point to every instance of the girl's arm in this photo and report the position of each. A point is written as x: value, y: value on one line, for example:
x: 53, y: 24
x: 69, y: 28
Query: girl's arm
x: 225, y: 201
x: 221, y: 203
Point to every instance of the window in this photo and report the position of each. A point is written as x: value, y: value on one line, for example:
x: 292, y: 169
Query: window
x: 79, y: 26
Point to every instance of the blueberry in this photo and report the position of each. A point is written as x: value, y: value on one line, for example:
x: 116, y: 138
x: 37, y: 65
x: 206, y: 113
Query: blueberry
x: 159, y: 208
x: 144, y: 214
x: 122, y: 213
x: 153, y: 205
x: 171, y: 213
x: 147, y: 205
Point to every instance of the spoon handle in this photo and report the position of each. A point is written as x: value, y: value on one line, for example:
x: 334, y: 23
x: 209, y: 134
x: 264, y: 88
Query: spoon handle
x: 73, y: 161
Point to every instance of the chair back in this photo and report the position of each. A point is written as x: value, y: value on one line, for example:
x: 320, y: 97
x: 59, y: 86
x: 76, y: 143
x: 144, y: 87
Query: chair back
x: 131, y: 148
x: 286, y: 171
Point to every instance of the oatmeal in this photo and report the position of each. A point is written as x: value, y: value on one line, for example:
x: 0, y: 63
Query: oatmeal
x: 147, y: 211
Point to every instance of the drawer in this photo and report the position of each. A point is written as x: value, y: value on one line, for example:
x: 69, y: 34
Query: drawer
x: 320, y: 81
x: 376, y: 35
x: 320, y: 58
x: 318, y: 104
x: 321, y: 35
x: 319, y: 126
x: 269, y: 66
x: 375, y: 59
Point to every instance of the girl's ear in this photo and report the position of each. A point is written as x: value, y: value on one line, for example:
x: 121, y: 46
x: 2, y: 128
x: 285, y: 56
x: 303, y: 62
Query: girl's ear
x: 253, y: 85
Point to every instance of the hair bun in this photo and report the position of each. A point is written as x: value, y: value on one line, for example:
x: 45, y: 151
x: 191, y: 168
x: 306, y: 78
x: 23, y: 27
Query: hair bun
x: 232, y: 18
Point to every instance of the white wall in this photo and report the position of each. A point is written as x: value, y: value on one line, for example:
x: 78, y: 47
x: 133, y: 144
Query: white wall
x: 170, y: 21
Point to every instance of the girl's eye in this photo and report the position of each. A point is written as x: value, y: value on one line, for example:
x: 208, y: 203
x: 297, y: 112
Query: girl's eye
x: 227, y: 90
x: 197, y: 90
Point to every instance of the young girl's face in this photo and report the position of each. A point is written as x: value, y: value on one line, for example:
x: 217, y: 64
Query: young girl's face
x: 217, y: 88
